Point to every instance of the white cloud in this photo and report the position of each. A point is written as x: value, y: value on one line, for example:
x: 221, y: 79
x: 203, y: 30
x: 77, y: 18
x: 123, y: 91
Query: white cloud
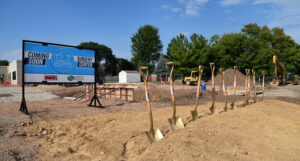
x: 191, y: 12
x: 176, y: 9
x: 12, y: 55
x: 165, y: 7
x: 192, y: 6
x: 284, y: 13
x: 230, y: 2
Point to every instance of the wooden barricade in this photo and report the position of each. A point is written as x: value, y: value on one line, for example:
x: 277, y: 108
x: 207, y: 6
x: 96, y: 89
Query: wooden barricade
x: 104, y: 91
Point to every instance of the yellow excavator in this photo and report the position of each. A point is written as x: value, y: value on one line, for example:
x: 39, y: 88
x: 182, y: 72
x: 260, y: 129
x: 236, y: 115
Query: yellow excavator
x: 192, y: 80
x: 275, y: 80
x: 281, y: 79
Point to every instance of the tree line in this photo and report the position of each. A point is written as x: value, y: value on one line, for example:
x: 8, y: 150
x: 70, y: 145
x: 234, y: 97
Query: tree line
x: 253, y: 47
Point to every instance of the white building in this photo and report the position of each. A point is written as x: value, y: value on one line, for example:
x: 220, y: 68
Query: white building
x: 12, y: 73
x: 129, y: 76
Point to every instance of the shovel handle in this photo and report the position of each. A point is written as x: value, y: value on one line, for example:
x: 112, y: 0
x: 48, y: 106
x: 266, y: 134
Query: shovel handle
x: 170, y: 63
x: 263, y: 84
x: 234, y: 84
x: 171, y: 84
x: 200, y: 70
x: 212, y: 66
x: 172, y: 68
x: 248, y: 81
x: 223, y: 81
x: 246, y: 85
x: 254, y: 84
x: 141, y: 69
x: 235, y: 68
x: 221, y: 72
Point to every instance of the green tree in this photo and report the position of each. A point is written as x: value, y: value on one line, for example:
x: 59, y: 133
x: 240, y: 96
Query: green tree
x: 124, y: 64
x: 161, y: 66
x: 4, y: 63
x: 146, y: 46
x: 198, y: 47
x: 102, y: 52
x: 178, y: 52
x: 187, y: 54
x: 214, y: 40
x: 252, y: 48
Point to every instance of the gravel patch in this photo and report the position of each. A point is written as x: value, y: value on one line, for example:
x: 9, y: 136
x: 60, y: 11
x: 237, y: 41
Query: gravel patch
x: 14, y: 94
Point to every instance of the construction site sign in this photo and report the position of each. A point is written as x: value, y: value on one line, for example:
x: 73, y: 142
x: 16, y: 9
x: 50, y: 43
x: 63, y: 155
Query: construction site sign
x: 55, y: 63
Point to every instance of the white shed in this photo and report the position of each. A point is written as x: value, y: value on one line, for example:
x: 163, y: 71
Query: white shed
x: 129, y: 76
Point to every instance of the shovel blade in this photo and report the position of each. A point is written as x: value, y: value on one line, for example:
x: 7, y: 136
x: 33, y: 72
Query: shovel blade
x: 233, y: 106
x: 156, y: 136
x: 194, y: 115
x: 176, y: 123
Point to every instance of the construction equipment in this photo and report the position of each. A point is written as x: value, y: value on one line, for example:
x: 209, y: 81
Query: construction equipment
x: 153, y: 134
x: 213, y: 107
x: 275, y: 80
x: 224, y: 89
x: 253, y: 75
x: 291, y: 78
x: 175, y: 121
x: 284, y: 78
x: 194, y: 112
x: 234, y: 88
x: 192, y: 80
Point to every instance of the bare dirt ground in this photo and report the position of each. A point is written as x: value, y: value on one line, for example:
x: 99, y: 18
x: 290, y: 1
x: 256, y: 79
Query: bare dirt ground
x: 60, y: 129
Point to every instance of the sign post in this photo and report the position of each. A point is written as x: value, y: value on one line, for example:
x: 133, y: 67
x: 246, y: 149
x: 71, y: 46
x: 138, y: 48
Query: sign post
x: 23, y: 107
x: 95, y: 97
x: 49, y: 63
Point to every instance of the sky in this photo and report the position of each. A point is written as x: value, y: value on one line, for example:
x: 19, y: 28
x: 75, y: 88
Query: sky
x: 113, y: 22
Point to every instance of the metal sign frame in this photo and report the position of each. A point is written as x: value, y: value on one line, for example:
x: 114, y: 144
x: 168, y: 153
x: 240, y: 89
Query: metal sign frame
x: 23, y: 107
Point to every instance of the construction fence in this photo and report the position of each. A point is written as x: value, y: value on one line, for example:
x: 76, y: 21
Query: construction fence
x: 122, y: 92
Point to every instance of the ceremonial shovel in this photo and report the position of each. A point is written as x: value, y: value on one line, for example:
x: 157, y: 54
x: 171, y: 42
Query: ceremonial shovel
x: 195, y: 113
x: 153, y: 134
x: 234, y: 88
x: 213, y: 107
x: 224, y: 89
x: 175, y: 121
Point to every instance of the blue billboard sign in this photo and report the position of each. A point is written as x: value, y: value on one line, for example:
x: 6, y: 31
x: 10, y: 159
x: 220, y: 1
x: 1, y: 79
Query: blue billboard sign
x: 57, y: 63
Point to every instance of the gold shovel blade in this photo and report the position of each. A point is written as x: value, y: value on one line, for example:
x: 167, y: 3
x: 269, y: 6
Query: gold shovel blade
x: 157, y: 135
x: 176, y: 123
x: 194, y: 115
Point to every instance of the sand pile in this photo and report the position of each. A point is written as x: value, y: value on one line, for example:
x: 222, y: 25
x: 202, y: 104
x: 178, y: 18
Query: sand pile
x: 228, y: 77
x: 231, y: 135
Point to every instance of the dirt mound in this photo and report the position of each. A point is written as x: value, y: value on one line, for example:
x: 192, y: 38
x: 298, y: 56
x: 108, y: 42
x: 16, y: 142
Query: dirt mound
x: 228, y: 77
x: 231, y: 135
